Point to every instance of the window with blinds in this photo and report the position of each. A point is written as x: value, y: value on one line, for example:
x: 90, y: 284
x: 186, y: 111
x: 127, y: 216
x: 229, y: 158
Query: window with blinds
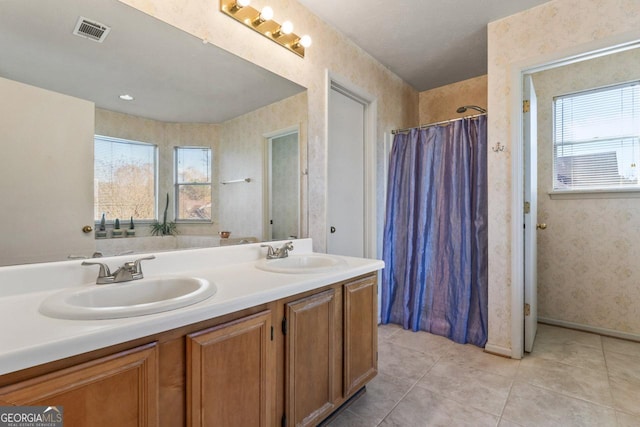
x: 596, y: 139
x: 124, y: 179
x: 193, y: 183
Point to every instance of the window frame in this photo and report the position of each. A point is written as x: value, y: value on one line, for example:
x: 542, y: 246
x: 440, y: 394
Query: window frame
x: 156, y: 161
x: 631, y: 191
x: 177, y: 184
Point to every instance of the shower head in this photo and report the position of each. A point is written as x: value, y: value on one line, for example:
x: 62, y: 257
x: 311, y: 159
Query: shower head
x: 473, y: 107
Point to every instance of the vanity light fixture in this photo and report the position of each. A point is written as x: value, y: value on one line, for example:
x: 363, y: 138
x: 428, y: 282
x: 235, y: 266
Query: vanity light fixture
x: 126, y: 97
x: 262, y: 22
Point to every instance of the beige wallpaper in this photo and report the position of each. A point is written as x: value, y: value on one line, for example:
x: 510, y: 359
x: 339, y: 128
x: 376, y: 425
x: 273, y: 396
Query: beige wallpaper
x: 242, y: 156
x: 441, y: 103
x: 397, y: 102
x: 166, y: 136
x: 588, y: 265
x: 548, y: 32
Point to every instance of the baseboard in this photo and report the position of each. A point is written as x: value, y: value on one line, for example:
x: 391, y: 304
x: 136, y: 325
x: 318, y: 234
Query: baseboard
x: 497, y: 350
x: 588, y: 328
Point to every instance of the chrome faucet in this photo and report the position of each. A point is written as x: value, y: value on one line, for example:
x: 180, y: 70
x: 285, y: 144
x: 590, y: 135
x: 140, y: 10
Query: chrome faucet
x: 131, y: 270
x: 282, y: 252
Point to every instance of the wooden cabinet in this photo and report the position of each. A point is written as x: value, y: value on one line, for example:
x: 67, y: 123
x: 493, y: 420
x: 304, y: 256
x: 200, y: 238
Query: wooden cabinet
x: 310, y: 358
x: 331, y: 343
x: 233, y: 370
x: 360, y: 333
x: 117, y: 390
x: 230, y: 374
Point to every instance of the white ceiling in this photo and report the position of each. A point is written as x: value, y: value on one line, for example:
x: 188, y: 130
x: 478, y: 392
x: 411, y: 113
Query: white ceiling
x: 173, y: 76
x: 428, y: 43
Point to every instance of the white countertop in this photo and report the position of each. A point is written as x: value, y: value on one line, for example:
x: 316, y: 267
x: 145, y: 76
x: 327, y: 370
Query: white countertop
x: 28, y: 338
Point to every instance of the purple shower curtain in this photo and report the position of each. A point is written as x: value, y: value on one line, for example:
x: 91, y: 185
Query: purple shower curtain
x: 435, y: 234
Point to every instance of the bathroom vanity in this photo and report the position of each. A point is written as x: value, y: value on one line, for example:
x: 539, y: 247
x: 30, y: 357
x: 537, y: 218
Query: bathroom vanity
x: 268, y: 348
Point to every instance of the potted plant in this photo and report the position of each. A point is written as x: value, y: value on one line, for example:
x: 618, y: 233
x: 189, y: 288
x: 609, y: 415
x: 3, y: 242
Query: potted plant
x: 164, y: 228
x: 101, y: 232
x: 116, y: 229
x: 131, y: 232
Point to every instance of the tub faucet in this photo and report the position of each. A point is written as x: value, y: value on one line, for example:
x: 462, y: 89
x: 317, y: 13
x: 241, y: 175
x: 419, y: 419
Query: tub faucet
x: 96, y: 254
x: 131, y: 270
x: 281, y: 252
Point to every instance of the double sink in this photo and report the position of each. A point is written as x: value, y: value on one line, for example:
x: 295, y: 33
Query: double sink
x: 159, y: 294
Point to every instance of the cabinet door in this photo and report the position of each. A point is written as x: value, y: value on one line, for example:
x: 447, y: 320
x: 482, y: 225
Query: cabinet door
x: 310, y: 358
x: 117, y: 390
x: 360, y: 333
x: 230, y: 374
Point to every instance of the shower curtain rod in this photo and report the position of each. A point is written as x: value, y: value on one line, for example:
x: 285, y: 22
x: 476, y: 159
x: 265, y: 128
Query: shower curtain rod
x: 442, y: 123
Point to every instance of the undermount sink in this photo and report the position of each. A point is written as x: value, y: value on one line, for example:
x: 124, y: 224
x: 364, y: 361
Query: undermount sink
x: 127, y: 299
x: 302, y: 264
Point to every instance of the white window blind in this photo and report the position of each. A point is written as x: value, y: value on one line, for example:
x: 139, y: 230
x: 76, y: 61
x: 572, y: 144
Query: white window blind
x: 596, y: 141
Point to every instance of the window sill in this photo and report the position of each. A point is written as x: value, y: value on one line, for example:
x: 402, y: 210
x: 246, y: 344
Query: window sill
x: 595, y: 194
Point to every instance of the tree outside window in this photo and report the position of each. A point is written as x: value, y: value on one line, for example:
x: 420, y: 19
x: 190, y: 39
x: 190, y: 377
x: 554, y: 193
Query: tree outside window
x: 124, y: 179
x: 193, y: 183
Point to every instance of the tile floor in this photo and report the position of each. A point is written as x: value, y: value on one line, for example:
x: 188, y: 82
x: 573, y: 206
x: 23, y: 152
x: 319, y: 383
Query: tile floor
x: 571, y: 378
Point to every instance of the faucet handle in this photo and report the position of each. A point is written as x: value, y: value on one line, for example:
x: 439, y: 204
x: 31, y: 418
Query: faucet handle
x: 104, y: 268
x: 270, y: 250
x: 137, y: 263
x: 288, y: 246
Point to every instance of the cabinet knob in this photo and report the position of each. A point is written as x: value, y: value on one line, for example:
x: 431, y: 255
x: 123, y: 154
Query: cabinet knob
x: 87, y: 229
x: 542, y: 226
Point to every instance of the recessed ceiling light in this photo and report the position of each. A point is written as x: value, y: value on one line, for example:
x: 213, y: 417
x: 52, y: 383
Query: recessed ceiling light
x: 126, y: 97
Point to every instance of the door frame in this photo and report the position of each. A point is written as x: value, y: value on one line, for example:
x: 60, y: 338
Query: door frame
x: 532, y: 65
x: 266, y: 190
x: 344, y: 86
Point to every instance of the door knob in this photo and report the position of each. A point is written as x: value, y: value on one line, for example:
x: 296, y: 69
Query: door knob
x: 87, y: 229
x: 542, y: 226
x: 332, y: 229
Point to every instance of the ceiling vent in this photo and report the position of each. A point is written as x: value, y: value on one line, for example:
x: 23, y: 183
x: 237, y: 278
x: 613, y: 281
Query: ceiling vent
x: 91, y: 30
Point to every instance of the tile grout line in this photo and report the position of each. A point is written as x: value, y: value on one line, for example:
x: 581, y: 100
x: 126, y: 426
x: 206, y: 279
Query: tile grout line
x: 606, y: 368
x: 507, y: 399
x: 408, y: 391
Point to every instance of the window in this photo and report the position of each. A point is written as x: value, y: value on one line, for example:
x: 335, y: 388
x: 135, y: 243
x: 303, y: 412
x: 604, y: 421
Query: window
x: 596, y: 141
x: 124, y: 179
x: 193, y: 183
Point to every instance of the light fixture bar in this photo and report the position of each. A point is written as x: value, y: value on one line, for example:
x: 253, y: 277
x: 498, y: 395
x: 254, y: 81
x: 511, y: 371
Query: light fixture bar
x: 250, y: 17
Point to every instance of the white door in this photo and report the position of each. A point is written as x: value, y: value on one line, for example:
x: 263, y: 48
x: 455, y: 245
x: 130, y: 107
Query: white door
x: 345, y: 199
x: 530, y: 139
x: 284, y: 187
x: 46, y: 175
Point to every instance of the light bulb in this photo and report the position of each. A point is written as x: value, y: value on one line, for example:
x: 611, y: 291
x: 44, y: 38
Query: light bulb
x: 305, y: 41
x: 239, y: 4
x: 266, y: 14
x: 286, y: 27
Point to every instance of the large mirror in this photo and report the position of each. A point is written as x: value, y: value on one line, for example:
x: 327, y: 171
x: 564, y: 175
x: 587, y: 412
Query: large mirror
x: 59, y: 89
